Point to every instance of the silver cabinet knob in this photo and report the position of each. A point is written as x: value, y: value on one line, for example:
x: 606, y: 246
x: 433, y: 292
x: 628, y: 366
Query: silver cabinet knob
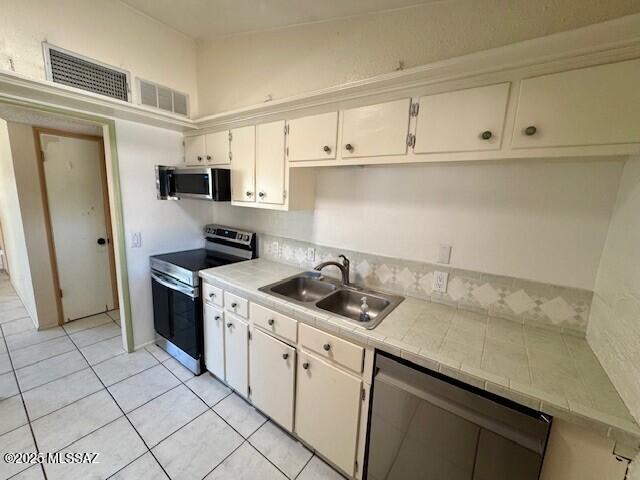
x: 349, y: 147
x: 326, y: 347
x: 285, y: 355
x: 486, y: 135
x: 271, y: 321
x: 208, y: 157
x: 212, y: 294
x: 249, y: 193
x: 327, y: 149
x: 229, y: 325
x: 199, y: 158
x: 217, y: 317
x: 305, y: 365
x: 530, y: 130
x: 262, y: 194
x: 234, y: 305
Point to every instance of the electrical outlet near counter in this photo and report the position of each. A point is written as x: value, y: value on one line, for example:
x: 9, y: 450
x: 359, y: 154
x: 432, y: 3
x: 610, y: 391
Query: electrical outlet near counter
x: 440, y: 281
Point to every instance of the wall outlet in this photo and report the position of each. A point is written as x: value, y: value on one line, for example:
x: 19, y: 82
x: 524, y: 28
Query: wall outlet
x: 311, y: 254
x: 275, y: 248
x: 444, y: 254
x: 440, y: 280
x: 136, y: 240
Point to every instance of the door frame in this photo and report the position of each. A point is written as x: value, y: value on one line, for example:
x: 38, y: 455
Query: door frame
x: 53, y: 258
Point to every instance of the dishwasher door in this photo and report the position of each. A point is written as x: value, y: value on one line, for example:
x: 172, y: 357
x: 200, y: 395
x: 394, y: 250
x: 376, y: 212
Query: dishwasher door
x: 424, y: 425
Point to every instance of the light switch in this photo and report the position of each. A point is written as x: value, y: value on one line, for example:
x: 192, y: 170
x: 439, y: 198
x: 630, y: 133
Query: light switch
x: 136, y: 240
x: 311, y: 254
x: 440, y: 280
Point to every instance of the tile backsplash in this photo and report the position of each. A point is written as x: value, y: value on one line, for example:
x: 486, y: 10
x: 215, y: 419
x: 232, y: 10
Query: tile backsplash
x: 524, y: 301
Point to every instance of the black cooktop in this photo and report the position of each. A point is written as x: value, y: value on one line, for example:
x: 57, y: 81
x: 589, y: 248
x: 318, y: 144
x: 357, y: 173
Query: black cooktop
x: 199, y: 259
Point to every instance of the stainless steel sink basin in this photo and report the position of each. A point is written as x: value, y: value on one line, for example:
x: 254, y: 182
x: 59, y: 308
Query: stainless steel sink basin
x: 304, y: 289
x: 347, y: 303
x: 313, y: 291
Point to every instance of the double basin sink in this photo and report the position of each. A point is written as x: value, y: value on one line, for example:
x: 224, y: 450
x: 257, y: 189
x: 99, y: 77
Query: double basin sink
x: 365, y: 307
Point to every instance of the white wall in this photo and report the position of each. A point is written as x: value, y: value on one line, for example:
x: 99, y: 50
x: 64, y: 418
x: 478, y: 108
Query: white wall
x: 244, y: 69
x: 11, y: 219
x: 106, y: 30
x: 539, y: 220
x: 166, y: 226
x: 614, y: 328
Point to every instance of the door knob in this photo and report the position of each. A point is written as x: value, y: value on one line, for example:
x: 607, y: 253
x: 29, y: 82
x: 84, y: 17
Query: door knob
x: 229, y: 325
x: 326, y: 347
x: 271, y: 321
x: 101, y: 241
x: 486, y: 135
x: 326, y: 148
x: 261, y: 194
x: 234, y: 305
x: 349, y: 147
x: 285, y: 355
x: 305, y: 365
x: 217, y: 317
x: 249, y: 193
x: 531, y: 130
x: 208, y: 157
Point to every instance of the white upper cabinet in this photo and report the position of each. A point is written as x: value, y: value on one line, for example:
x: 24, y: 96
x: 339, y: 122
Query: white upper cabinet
x: 376, y: 130
x: 313, y: 137
x: 270, y: 163
x: 589, y: 106
x: 462, y: 121
x: 243, y: 164
x: 272, y: 367
x: 195, y: 150
x: 217, y: 148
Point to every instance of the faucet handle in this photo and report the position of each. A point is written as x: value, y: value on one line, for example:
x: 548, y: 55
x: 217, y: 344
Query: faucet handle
x: 364, y: 307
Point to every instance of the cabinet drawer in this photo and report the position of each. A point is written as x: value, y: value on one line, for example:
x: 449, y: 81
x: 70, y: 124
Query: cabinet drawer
x: 328, y: 346
x: 236, y: 304
x: 212, y: 295
x: 274, y: 322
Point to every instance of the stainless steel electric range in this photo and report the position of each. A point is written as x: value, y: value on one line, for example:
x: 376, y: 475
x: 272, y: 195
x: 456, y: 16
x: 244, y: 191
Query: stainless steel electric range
x: 175, y: 284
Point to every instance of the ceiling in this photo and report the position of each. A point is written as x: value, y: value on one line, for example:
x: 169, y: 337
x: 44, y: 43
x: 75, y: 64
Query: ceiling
x: 207, y: 19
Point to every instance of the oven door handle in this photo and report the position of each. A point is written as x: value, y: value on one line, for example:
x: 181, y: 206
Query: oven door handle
x: 174, y: 285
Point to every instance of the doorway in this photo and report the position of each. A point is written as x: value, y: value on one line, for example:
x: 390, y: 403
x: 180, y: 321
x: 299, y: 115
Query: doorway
x: 74, y: 189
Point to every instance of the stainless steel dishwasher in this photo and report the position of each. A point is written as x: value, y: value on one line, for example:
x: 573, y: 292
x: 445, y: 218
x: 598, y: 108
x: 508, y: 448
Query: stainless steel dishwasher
x: 424, y: 425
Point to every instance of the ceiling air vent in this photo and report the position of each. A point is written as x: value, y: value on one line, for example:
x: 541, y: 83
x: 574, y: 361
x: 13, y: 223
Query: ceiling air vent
x: 156, y: 96
x: 74, y: 70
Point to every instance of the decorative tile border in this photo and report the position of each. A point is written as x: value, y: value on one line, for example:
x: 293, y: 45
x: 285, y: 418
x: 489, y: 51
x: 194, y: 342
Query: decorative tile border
x: 526, y: 302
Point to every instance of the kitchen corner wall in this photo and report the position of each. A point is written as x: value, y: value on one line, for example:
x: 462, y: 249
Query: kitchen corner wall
x: 165, y: 226
x: 614, y: 328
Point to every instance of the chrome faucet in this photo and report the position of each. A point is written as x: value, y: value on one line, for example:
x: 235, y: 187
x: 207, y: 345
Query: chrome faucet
x: 344, y: 268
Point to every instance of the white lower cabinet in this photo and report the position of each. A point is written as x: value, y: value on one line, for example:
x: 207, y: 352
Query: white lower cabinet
x: 272, y: 366
x: 328, y: 410
x: 214, y: 340
x: 236, y: 354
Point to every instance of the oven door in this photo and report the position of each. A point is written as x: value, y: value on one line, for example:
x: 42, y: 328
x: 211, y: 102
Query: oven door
x: 177, y: 314
x: 192, y: 183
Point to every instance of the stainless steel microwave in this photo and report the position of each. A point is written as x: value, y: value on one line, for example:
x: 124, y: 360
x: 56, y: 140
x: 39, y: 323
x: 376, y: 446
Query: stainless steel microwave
x: 204, y: 183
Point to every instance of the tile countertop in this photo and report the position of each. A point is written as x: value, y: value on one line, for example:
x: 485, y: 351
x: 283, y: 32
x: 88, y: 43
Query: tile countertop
x: 542, y: 369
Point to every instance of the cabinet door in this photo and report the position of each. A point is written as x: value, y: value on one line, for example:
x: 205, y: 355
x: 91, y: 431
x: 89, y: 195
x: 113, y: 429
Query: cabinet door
x: 243, y: 162
x: 327, y: 410
x: 313, y: 137
x: 462, y: 121
x: 270, y: 163
x: 236, y: 354
x: 194, y: 150
x: 272, y: 376
x: 376, y: 130
x: 217, y: 145
x: 214, y: 340
x: 589, y: 106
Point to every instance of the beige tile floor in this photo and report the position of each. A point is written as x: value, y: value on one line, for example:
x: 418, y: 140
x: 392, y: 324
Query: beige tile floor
x: 75, y: 390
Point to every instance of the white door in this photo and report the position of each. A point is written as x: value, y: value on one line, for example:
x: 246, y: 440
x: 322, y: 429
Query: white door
x: 73, y: 171
x: 272, y: 366
x: 243, y: 164
x: 462, y: 121
x: 328, y: 409
x: 194, y: 150
x: 236, y: 354
x: 214, y: 340
x: 270, y: 163
x: 217, y: 146
x: 589, y: 106
x: 313, y: 137
x: 376, y: 130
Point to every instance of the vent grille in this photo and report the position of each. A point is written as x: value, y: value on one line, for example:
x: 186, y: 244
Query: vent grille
x: 157, y: 96
x: 74, y: 71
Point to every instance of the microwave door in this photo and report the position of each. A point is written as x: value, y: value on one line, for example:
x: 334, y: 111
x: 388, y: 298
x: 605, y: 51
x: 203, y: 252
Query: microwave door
x: 193, y: 184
